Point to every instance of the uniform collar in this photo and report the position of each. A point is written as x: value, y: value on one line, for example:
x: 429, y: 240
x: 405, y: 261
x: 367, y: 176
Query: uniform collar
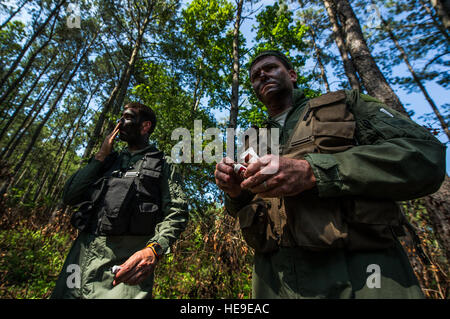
x: 141, y: 151
x: 298, y: 98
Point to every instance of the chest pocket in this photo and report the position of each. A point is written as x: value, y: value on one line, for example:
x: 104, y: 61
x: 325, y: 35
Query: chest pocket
x: 326, y: 126
x: 148, y: 194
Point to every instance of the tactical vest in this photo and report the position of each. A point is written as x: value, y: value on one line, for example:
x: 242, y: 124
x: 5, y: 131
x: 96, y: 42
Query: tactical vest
x: 124, y: 202
x: 305, y: 220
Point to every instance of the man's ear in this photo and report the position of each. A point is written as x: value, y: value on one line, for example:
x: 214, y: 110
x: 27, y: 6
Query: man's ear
x: 145, y: 127
x: 293, y: 75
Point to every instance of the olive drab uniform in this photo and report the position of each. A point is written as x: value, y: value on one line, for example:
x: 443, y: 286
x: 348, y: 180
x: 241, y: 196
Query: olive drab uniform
x: 320, y: 243
x: 122, y: 204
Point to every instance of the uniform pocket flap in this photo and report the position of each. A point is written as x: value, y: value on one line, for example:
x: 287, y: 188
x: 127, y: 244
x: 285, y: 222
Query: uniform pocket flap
x: 150, y: 173
x: 373, y: 212
x: 148, y: 207
x: 336, y: 129
x: 327, y: 99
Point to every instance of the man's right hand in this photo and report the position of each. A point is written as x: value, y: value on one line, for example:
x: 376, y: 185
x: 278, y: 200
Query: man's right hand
x: 226, y: 179
x: 107, y: 145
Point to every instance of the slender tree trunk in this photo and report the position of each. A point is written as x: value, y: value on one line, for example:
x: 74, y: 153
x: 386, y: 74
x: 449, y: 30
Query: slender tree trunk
x: 13, y: 14
x: 45, y: 119
x: 129, y: 68
x: 39, y: 30
x: 26, y: 68
x: 318, y: 53
x: 117, y: 95
x: 236, y: 67
x: 416, y: 77
x: 442, y: 8
x: 435, y: 20
x: 98, y: 126
x: 339, y: 38
x: 22, y: 104
x: 69, y: 143
x: 373, y: 80
x: 438, y: 207
x: 16, y: 138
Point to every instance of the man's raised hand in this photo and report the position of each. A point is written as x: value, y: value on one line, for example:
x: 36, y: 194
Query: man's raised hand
x: 107, y: 145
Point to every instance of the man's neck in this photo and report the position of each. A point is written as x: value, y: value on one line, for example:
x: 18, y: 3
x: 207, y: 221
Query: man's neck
x: 279, y: 105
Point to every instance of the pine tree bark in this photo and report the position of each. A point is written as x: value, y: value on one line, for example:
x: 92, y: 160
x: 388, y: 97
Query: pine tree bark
x: 234, y: 109
x: 318, y: 53
x: 349, y: 67
x: 373, y: 80
x: 117, y: 96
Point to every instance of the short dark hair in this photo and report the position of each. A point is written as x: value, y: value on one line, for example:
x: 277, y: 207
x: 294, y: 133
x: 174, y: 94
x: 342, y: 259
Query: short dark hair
x: 277, y: 54
x: 145, y: 113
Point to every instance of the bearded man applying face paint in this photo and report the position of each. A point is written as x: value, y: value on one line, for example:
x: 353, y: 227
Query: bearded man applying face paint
x: 130, y: 208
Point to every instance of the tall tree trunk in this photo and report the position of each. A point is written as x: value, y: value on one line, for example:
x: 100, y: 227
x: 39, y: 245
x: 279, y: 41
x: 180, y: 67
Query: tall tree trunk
x: 45, y: 119
x: 129, y: 69
x: 373, y: 80
x: 16, y: 138
x: 442, y: 8
x: 435, y: 20
x: 339, y: 38
x: 318, y: 53
x: 438, y: 207
x: 22, y: 103
x: 26, y: 68
x: 99, y: 124
x: 234, y: 109
x: 415, y: 76
x: 69, y: 142
x: 117, y: 95
x: 39, y: 30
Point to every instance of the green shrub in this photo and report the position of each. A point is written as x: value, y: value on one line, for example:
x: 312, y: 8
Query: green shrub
x: 30, y: 262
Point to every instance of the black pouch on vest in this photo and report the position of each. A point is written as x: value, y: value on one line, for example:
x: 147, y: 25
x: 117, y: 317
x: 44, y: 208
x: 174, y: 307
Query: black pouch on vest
x: 83, y: 211
x: 148, y: 213
x: 117, y: 201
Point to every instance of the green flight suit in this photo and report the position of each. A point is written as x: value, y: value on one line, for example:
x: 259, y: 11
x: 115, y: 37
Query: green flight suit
x: 95, y: 255
x: 395, y: 159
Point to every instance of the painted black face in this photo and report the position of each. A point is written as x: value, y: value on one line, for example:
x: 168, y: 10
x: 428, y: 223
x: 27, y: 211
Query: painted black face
x: 270, y: 77
x: 130, y: 127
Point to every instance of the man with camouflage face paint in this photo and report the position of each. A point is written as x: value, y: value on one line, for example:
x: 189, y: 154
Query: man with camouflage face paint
x: 323, y: 220
x: 129, y: 208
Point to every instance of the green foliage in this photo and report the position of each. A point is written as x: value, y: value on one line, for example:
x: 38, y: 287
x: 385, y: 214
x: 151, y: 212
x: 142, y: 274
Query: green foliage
x: 433, y: 278
x: 211, y: 260
x: 30, y: 261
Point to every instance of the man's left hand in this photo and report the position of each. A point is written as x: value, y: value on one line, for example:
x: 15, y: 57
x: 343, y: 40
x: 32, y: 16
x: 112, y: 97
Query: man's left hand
x: 137, y: 268
x: 274, y: 176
